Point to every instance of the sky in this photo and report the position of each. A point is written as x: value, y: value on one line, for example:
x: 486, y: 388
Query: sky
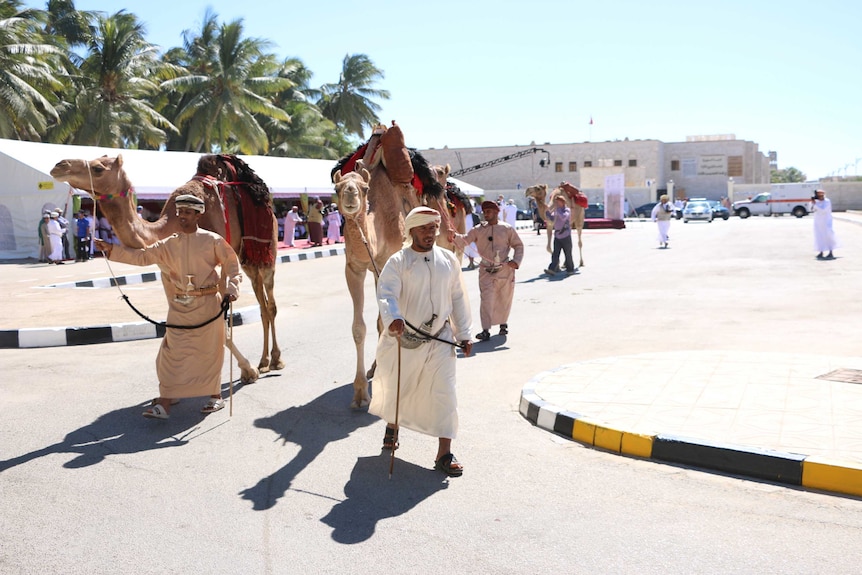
x: 477, y: 73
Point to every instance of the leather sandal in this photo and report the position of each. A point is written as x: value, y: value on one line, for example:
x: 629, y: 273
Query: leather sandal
x: 213, y: 405
x: 449, y: 465
x: 390, y: 439
x: 156, y: 412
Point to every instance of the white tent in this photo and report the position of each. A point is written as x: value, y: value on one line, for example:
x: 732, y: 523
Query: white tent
x: 28, y: 188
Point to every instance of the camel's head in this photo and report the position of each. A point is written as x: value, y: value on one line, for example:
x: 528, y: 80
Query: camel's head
x: 102, y: 178
x: 230, y: 168
x: 352, y: 190
x: 441, y: 173
x: 209, y: 165
x: 538, y: 192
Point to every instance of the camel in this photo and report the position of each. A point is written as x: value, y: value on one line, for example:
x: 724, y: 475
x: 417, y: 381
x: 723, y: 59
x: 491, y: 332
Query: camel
x: 540, y: 191
x: 454, y: 210
x: 108, y: 184
x: 377, y: 186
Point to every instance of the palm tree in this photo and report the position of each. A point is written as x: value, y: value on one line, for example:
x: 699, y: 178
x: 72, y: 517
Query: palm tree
x: 787, y: 175
x: 348, y: 103
x: 307, y: 134
x: 225, y: 92
x: 70, y: 24
x: 27, y: 74
x: 109, y: 100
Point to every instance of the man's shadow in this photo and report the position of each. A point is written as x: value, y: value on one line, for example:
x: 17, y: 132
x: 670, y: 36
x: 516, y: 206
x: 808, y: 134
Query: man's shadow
x: 124, y: 431
x: 494, y: 343
x: 371, y: 496
x: 312, y: 427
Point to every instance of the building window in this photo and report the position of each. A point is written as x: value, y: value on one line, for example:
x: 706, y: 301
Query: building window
x: 618, y: 163
x: 674, y: 165
x: 573, y: 166
x: 558, y: 166
x: 633, y: 163
x: 734, y: 166
x: 588, y: 164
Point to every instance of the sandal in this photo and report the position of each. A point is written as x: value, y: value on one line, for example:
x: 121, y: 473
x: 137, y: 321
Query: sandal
x: 390, y: 439
x: 156, y: 412
x: 213, y: 405
x: 483, y: 335
x: 449, y: 465
x: 155, y: 401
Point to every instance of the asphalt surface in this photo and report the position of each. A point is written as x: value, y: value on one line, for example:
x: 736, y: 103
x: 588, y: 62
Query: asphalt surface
x: 787, y: 417
x: 645, y: 353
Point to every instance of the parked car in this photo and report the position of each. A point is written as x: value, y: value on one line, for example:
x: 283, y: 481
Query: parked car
x: 524, y: 215
x: 645, y: 211
x: 697, y: 210
x: 595, y: 211
x: 719, y: 211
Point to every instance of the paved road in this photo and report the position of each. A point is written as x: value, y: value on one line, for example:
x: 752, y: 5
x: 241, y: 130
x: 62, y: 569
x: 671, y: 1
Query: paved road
x: 294, y: 481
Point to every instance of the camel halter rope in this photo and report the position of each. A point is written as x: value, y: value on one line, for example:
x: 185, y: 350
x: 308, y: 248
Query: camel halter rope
x: 225, y: 305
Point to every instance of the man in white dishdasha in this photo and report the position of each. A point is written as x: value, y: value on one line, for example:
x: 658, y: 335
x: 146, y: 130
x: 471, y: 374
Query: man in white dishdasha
x: 425, y: 309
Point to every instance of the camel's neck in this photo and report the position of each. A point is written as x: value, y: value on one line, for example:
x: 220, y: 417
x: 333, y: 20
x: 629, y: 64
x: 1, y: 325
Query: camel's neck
x: 133, y: 230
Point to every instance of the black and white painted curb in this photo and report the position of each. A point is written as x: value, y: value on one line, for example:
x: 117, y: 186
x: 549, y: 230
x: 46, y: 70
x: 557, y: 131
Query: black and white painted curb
x: 116, y: 332
x: 788, y: 468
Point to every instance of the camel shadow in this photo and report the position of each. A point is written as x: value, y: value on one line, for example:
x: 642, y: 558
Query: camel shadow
x: 124, y: 431
x: 312, y: 427
x: 371, y: 496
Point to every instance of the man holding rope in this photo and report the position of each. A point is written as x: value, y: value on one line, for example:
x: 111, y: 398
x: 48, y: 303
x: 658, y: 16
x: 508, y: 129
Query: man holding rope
x: 190, y: 361
x: 425, y: 309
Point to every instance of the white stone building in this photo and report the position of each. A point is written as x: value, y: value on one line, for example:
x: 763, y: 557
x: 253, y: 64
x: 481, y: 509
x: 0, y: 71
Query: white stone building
x: 699, y: 167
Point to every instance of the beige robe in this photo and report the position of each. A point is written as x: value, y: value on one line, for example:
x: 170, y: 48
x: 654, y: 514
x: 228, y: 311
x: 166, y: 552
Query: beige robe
x: 497, y: 288
x: 190, y: 361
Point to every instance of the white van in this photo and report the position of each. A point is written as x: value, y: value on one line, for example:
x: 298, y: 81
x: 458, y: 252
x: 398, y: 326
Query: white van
x: 781, y: 199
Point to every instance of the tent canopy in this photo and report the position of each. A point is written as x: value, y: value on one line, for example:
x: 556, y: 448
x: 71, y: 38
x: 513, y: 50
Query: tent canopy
x: 28, y: 187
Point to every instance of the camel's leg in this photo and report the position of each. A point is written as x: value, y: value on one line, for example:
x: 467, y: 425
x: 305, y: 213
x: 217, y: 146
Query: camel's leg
x: 550, y: 230
x: 370, y: 373
x: 262, y: 280
x: 275, y: 361
x: 248, y: 373
x: 580, y: 246
x: 356, y: 286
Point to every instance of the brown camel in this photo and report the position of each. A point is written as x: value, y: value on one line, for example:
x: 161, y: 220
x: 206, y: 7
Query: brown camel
x: 379, y: 184
x: 105, y: 179
x: 539, y: 193
x: 454, y: 210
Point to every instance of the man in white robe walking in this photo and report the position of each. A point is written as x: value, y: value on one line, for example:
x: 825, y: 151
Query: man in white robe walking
x: 425, y: 310
x: 662, y: 212
x: 824, y: 235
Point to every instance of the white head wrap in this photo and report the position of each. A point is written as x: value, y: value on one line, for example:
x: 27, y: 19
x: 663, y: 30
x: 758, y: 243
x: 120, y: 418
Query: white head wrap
x: 191, y: 202
x: 417, y: 217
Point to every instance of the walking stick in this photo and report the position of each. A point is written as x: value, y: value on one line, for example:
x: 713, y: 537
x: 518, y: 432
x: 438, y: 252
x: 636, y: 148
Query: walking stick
x: 397, y: 404
x: 230, y: 357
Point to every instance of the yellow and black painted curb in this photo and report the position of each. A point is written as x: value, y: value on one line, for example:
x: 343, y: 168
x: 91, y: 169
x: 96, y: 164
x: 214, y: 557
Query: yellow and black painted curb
x: 809, y: 471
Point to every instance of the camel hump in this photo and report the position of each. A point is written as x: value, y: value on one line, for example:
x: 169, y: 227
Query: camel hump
x: 396, y: 157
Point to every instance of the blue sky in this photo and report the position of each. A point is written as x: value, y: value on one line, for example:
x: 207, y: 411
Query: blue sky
x: 465, y: 73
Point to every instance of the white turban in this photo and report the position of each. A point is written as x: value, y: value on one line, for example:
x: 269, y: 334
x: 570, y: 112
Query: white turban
x: 417, y: 217
x: 190, y: 201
